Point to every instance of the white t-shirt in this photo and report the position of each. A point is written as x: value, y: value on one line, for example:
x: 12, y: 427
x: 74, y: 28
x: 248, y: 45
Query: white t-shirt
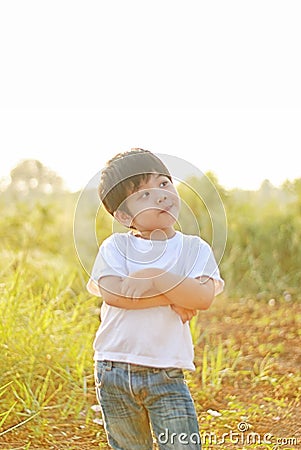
x: 155, y: 336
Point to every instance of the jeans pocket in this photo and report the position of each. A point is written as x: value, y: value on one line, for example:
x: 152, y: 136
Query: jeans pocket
x: 174, y: 374
x: 99, y: 374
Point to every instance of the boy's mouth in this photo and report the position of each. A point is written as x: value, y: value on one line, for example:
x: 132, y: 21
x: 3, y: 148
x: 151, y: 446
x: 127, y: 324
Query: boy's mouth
x: 166, y: 209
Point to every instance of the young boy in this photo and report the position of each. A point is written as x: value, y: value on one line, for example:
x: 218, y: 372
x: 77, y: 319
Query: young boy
x: 152, y: 280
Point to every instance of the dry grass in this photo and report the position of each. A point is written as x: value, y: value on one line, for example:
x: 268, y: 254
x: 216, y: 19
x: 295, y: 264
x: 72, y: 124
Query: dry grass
x: 247, y: 355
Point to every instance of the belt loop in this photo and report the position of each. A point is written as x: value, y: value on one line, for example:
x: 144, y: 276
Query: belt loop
x: 109, y: 365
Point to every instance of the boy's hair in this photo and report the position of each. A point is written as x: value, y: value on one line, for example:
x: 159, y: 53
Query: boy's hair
x: 124, y: 174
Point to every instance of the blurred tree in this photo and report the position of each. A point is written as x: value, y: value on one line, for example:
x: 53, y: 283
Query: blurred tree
x: 294, y: 188
x: 31, y: 176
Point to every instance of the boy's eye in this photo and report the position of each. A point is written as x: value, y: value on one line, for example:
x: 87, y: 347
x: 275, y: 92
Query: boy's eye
x: 164, y: 183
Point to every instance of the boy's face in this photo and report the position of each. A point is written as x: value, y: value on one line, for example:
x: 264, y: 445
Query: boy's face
x: 155, y: 206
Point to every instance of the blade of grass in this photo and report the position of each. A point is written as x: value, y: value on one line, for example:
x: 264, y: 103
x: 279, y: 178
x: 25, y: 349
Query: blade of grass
x: 6, y: 414
x: 19, y: 424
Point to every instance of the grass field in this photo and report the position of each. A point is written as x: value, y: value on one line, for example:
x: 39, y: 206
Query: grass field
x: 246, y: 387
x: 247, y: 384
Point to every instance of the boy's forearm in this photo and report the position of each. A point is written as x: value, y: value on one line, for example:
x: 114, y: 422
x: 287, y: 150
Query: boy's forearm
x: 110, y: 289
x: 187, y: 292
x: 144, y: 303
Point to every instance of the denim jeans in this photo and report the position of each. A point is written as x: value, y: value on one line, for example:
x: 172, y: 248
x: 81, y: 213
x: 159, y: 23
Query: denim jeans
x: 138, y: 402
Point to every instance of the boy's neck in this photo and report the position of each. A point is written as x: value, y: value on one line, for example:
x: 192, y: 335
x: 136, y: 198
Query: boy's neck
x: 156, y: 235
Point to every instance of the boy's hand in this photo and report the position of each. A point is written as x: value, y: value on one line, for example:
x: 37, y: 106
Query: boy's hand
x: 140, y: 284
x: 184, y: 313
x: 136, y: 286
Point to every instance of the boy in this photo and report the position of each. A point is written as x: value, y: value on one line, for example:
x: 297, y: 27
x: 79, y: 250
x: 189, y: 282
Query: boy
x: 152, y: 280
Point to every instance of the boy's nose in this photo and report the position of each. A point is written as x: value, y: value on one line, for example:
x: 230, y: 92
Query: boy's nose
x: 161, y: 198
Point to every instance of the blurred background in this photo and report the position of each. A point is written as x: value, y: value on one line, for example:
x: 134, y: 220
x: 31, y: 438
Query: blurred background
x: 214, y: 83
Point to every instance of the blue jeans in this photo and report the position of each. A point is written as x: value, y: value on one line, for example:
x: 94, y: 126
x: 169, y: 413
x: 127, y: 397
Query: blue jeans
x: 138, y: 402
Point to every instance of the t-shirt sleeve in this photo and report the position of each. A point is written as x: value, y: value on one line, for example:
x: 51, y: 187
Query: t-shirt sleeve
x: 204, y: 264
x: 110, y: 261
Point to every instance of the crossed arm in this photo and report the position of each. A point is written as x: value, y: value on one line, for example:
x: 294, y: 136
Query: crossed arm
x: 154, y: 287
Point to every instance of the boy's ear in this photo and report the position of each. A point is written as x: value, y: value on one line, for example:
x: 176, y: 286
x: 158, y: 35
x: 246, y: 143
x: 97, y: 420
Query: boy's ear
x: 123, y: 218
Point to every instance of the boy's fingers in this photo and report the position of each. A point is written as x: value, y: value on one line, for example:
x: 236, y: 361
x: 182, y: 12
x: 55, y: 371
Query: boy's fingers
x: 124, y: 288
x: 135, y: 295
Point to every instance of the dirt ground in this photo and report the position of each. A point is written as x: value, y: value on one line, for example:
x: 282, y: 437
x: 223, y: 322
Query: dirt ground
x: 263, y: 390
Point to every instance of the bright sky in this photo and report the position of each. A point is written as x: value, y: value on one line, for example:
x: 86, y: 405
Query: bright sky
x: 216, y: 83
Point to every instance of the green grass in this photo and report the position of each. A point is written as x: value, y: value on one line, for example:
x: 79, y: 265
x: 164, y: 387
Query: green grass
x: 46, y: 367
x: 246, y: 347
